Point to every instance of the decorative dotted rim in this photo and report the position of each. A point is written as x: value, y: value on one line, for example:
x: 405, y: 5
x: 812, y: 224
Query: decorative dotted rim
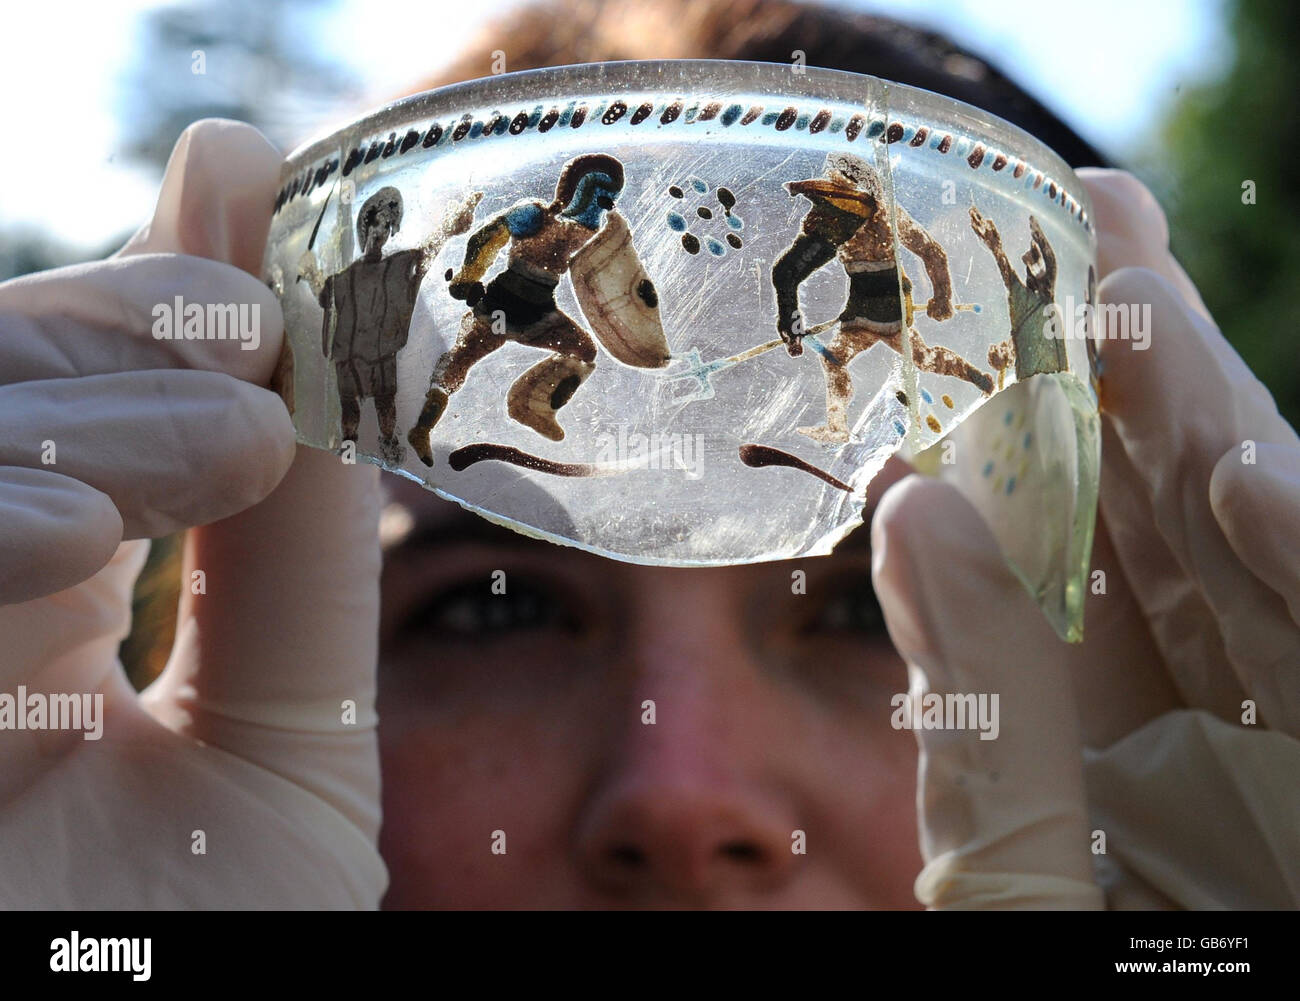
x: 577, y: 114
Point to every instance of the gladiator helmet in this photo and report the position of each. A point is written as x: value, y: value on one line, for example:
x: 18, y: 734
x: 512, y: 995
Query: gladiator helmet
x: 380, y: 216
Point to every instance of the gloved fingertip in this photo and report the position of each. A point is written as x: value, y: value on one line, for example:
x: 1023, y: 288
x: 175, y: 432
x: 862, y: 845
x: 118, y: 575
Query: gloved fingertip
x: 1166, y: 365
x: 935, y: 565
x: 1138, y: 293
x: 1227, y: 500
x: 1254, y: 491
x: 1121, y: 201
x: 1257, y: 481
x: 58, y: 532
x: 1118, y: 183
x: 277, y: 437
x: 216, y: 196
x: 256, y: 451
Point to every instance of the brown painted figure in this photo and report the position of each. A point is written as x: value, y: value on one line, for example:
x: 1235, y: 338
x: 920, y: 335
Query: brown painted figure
x: 1031, y: 348
x: 849, y: 219
x: 368, y: 308
x: 545, y: 242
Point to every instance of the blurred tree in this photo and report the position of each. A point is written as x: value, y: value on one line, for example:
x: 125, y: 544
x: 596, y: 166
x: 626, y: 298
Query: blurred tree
x: 258, y: 61
x: 261, y: 62
x: 1243, y: 257
x: 25, y: 250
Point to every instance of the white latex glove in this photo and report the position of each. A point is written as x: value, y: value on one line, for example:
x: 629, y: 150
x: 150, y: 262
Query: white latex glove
x: 242, y: 736
x: 1202, y: 611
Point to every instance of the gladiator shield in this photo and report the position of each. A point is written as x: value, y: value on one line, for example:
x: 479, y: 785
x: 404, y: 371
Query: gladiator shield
x: 618, y: 298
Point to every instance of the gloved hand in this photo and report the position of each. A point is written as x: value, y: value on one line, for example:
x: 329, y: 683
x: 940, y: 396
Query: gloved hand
x: 1138, y: 732
x: 243, y: 736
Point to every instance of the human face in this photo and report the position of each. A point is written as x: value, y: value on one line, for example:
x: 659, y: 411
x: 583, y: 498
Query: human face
x: 526, y: 713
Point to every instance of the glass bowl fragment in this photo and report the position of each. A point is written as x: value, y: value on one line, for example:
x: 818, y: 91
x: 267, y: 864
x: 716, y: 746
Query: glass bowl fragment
x: 698, y: 305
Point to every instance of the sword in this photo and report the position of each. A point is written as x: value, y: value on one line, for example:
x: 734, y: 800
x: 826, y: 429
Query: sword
x: 311, y: 240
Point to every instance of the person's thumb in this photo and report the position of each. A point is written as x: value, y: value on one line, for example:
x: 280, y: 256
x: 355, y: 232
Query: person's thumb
x: 1001, y: 798
x: 213, y: 200
x: 276, y: 650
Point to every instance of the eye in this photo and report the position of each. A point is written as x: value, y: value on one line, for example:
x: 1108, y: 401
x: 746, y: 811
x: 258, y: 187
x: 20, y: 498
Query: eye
x: 850, y: 608
x: 470, y: 610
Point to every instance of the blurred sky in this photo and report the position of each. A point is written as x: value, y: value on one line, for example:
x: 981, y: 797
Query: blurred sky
x: 1110, y: 68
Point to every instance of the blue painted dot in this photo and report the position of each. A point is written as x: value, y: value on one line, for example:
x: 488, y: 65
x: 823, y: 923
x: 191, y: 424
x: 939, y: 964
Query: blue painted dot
x: 734, y: 222
x: 801, y: 122
x: 676, y: 223
x: 977, y: 308
x: 874, y: 129
x: 699, y: 185
x: 988, y: 468
x: 925, y: 395
x: 898, y: 426
x: 908, y: 132
x: 715, y: 248
x: 503, y: 123
x: 1006, y: 418
x: 1029, y: 435
x: 691, y: 112
x: 566, y: 115
x: 837, y: 124
x: 731, y: 114
x: 1011, y: 484
x: 476, y: 130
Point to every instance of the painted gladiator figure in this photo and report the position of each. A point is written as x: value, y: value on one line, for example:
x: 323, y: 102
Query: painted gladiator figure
x: 368, y: 308
x: 578, y: 233
x: 849, y: 219
x: 1028, y: 301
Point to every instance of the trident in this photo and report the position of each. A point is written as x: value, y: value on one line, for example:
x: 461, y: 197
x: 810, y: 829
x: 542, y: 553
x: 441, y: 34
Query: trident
x: 701, y: 373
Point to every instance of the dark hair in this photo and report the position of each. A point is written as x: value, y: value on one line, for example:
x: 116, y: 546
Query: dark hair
x: 559, y: 32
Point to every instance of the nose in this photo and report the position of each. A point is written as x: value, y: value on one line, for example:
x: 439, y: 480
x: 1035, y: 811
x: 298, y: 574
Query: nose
x: 688, y: 811
x: 668, y: 834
